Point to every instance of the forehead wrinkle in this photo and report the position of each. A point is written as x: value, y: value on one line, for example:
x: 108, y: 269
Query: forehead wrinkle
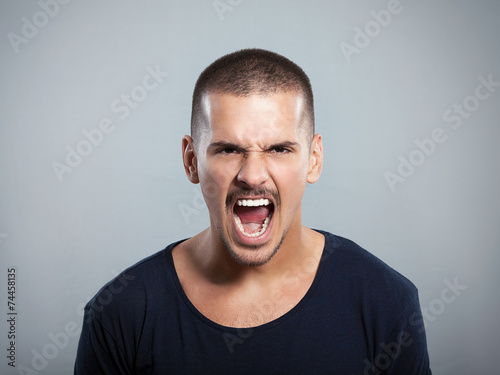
x: 246, y: 135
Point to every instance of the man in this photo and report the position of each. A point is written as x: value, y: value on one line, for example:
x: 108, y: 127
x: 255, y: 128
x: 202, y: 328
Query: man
x: 257, y: 292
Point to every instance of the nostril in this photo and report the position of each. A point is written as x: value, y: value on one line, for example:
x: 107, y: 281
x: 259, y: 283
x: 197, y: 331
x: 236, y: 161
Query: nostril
x: 253, y: 174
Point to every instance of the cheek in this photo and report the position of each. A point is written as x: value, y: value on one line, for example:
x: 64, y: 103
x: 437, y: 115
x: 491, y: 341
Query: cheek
x: 293, y: 171
x: 214, y: 182
x: 218, y: 174
x: 290, y: 180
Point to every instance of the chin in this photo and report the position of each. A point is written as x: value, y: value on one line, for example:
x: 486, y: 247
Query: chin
x: 251, y: 255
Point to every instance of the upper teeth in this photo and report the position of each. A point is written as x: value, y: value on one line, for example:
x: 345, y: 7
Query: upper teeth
x: 253, y: 202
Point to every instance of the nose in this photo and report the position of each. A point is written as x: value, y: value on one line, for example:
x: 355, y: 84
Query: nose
x: 253, y: 172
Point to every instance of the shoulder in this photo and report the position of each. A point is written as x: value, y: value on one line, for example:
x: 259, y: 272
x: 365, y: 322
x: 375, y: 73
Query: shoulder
x: 357, y: 269
x: 380, y: 302
x: 128, y: 293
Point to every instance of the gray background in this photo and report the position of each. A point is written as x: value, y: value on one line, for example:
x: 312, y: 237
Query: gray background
x: 126, y: 199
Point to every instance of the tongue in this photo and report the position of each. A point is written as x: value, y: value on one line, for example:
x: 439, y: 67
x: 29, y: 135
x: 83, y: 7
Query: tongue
x: 255, y: 215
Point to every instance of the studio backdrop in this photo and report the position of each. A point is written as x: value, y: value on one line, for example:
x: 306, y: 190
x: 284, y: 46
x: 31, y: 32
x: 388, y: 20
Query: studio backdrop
x: 96, y: 95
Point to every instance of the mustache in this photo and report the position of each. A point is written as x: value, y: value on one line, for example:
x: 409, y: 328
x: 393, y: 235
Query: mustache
x: 240, y: 193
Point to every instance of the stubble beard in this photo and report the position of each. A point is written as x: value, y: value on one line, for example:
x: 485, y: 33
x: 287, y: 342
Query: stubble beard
x: 242, y: 260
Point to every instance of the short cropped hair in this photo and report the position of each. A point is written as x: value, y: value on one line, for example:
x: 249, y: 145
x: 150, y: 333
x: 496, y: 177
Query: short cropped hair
x: 247, y: 72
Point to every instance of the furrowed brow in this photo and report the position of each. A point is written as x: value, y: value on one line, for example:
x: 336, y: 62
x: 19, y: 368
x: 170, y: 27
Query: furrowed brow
x: 232, y: 146
x: 223, y: 144
x: 286, y: 144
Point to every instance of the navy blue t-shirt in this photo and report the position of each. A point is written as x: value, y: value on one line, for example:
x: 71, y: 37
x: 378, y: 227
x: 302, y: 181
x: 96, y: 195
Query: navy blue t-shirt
x: 358, y: 317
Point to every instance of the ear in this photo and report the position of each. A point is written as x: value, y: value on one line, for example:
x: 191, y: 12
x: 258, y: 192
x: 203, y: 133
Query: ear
x: 315, y: 159
x: 189, y: 159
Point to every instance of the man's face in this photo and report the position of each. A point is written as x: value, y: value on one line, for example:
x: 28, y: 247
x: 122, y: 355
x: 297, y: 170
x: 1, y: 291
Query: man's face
x: 253, y: 159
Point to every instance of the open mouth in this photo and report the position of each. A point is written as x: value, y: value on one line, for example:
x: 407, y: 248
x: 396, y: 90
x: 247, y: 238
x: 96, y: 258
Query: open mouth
x: 252, y: 216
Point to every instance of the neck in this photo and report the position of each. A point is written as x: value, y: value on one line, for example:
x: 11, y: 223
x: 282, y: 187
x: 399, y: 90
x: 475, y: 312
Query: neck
x: 301, y: 248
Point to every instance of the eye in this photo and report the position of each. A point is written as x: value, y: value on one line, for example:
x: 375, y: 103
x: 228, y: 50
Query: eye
x: 279, y: 150
x: 227, y: 150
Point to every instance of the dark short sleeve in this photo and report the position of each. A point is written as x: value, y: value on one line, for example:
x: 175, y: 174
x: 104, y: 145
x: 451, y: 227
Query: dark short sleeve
x: 98, y: 352
x: 114, y: 319
x: 390, y: 311
x: 405, y: 350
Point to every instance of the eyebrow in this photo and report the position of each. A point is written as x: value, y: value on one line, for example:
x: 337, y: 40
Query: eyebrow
x: 224, y: 144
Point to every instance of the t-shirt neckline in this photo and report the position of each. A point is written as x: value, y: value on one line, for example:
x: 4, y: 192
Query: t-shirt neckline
x: 275, y: 322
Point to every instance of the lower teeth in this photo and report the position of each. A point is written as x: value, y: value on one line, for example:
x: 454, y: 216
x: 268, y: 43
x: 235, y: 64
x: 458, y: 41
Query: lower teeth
x: 256, y: 234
